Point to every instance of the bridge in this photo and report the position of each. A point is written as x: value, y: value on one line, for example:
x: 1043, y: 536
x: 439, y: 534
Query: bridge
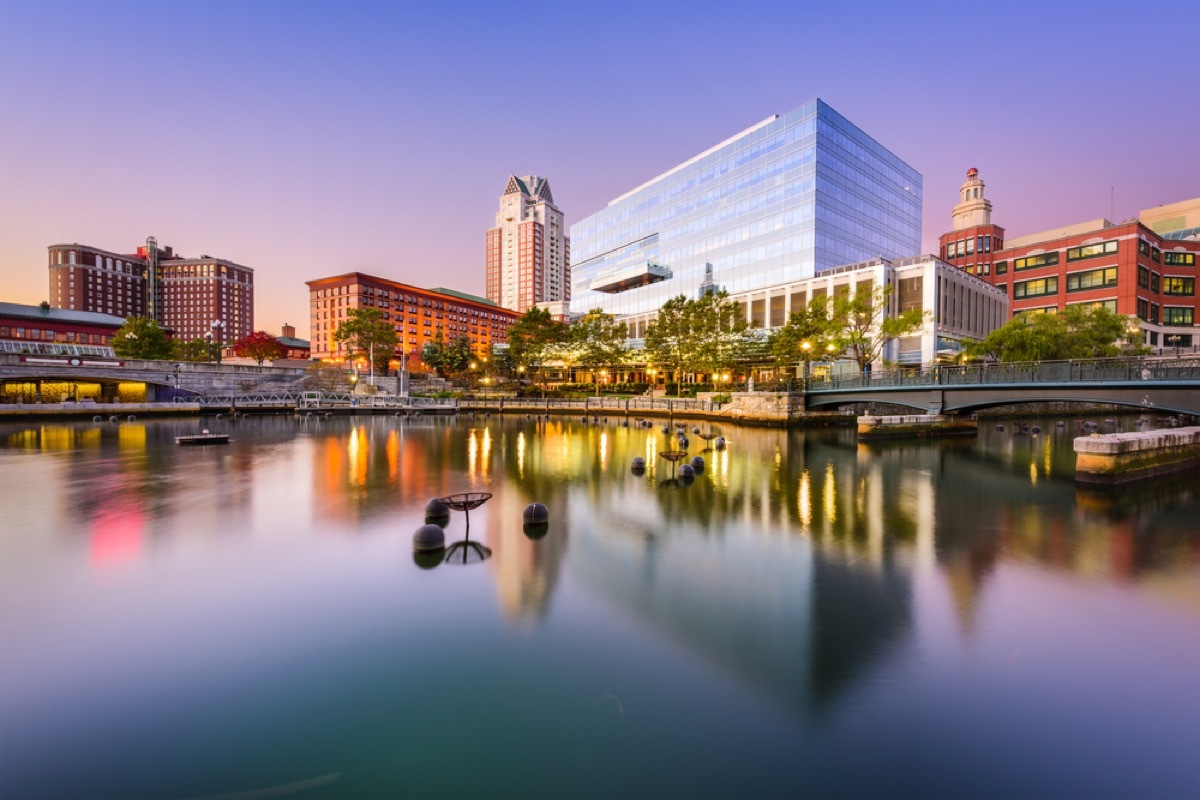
x: 1170, y: 386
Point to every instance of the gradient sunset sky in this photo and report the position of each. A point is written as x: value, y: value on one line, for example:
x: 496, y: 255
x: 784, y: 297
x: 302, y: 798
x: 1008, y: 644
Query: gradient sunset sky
x: 306, y: 139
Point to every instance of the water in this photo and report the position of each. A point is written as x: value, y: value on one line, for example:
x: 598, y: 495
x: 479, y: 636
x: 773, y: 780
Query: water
x: 809, y: 618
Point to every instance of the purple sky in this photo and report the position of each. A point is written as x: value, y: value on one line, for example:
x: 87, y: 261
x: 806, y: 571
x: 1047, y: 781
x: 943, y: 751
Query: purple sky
x: 308, y: 139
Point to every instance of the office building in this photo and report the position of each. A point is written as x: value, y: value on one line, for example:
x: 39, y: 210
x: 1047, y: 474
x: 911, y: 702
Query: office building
x: 419, y: 316
x: 528, y: 252
x: 786, y: 199
x: 974, y: 240
x: 187, y: 295
x: 43, y: 330
x: 1128, y: 267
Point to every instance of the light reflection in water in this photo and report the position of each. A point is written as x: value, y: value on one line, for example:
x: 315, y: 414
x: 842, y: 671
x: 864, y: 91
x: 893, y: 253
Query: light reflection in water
x: 830, y: 495
x: 804, y: 500
x: 521, y: 455
x: 603, y: 451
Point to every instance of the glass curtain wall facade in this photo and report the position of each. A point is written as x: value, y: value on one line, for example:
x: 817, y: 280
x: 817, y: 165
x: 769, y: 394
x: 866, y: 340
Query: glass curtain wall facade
x: 787, y: 198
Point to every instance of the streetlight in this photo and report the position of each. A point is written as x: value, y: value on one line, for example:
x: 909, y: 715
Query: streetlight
x: 603, y: 377
x: 806, y: 346
x: 217, y: 327
x: 1174, y: 340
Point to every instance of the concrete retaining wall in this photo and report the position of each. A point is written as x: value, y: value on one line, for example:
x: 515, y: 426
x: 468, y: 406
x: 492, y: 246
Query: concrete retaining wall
x: 915, y: 426
x: 1119, y: 458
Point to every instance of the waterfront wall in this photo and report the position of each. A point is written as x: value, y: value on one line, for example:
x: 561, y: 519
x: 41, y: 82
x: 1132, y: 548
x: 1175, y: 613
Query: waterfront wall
x: 915, y: 426
x: 1119, y: 458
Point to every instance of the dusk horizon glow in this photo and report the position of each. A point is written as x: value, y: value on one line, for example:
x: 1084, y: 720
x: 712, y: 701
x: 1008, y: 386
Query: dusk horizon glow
x: 307, y: 140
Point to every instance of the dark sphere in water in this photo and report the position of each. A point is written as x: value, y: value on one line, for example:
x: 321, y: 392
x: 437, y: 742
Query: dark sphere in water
x: 536, y: 512
x: 429, y: 538
x: 686, y: 471
x: 698, y: 463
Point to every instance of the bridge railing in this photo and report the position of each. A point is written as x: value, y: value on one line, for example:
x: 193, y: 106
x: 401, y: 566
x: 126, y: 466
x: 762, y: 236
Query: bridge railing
x: 316, y: 400
x: 1031, y: 372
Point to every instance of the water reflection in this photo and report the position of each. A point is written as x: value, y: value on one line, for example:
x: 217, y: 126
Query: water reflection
x: 802, y: 566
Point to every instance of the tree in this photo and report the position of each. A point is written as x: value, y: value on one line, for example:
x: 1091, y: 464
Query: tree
x: 195, y: 350
x: 534, y: 337
x: 259, y: 346
x: 668, y: 338
x: 811, y: 325
x: 719, y: 335
x: 141, y: 337
x: 862, y: 325
x: 367, y: 333
x: 598, y: 340
x: 1077, y: 331
x: 448, y: 359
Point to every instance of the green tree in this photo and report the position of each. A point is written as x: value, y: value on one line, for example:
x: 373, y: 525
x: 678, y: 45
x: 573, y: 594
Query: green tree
x: 668, y: 337
x: 1077, y: 331
x: 598, y: 341
x: 719, y: 335
x: 534, y: 338
x: 367, y: 334
x: 194, y: 350
x: 809, y: 325
x: 325, y: 377
x: 259, y: 346
x: 863, y: 325
x: 141, y: 337
x: 448, y: 359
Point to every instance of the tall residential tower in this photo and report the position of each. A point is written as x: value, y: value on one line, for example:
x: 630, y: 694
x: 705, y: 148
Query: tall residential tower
x: 528, y: 252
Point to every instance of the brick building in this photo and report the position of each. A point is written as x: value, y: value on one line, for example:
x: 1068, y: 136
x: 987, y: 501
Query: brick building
x: 187, y: 295
x: 55, y: 331
x: 418, y: 315
x: 528, y: 254
x: 1126, y: 267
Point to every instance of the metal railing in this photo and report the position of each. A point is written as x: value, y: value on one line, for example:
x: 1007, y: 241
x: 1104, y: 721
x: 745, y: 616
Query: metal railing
x: 1033, y: 372
x: 314, y: 400
x: 591, y: 404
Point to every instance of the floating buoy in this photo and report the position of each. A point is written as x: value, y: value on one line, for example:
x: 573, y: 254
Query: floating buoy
x: 686, y: 471
x: 666, y: 429
x: 536, y: 513
x: 683, y: 442
x: 1060, y: 424
x: 131, y: 418
x: 1036, y: 429
x: 528, y: 416
x: 696, y: 429
x: 429, y: 538
x: 113, y: 418
x: 638, y: 464
x: 719, y: 443
x: 97, y: 418
x: 436, y: 510
x: 698, y: 463
x: 999, y: 427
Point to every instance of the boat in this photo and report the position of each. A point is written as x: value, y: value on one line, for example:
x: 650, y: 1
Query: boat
x: 204, y: 437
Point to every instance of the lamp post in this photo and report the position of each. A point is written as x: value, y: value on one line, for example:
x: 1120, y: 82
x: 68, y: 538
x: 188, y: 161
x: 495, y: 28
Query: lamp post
x: 806, y: 346
x: 216, y: 328
x: 1174, y: 340
x: 603, y: 377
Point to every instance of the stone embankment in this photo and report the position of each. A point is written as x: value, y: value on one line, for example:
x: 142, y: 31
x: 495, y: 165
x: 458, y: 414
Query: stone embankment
x: 915, y: 426
x: 85, y: 410
x: 1117, y: 459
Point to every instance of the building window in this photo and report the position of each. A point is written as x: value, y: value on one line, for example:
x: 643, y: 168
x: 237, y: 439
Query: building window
x: 1093, y: 279
x: 1179, y: 259
x: 1175, y: 315
x: 1001, y: 267
x: 1155, y: 254
x: 1038, y: 287
x: 1092, y: 250
x: 1179, y: 286
x: 1143, y: 247
x: 1154, y: 282
x: 1111, y: 305
x: 1143, y: 277
x: 1033, y: 262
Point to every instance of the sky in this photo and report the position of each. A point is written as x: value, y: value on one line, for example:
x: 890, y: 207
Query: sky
x: 307, y: 139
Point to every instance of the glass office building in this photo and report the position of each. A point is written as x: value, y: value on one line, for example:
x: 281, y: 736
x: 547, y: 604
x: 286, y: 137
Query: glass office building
x: 788, y: 198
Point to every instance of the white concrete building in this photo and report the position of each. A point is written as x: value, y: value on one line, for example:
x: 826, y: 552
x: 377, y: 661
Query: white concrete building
x: 528, y: 252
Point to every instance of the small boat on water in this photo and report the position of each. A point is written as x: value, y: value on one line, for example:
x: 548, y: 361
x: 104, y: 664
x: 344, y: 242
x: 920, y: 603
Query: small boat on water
x: 204, y: 437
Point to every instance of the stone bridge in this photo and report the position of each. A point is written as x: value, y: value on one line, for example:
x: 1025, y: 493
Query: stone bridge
x: 24, y: 376
x: 1170, y: 386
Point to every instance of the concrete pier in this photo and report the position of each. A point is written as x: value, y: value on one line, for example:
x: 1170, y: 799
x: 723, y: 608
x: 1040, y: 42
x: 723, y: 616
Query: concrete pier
x: 1116, y: 459
x: 915, y: 426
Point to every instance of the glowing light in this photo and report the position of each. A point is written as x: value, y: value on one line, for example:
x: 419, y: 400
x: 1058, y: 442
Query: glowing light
x: 830, y: 495
x: 1033, y: 473
x: 804, y: 499
x: 603, y: 451
x: 521, y: 454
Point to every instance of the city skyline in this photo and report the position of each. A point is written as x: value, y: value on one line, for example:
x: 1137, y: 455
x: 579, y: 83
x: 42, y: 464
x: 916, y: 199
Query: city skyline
x: 308, y: 143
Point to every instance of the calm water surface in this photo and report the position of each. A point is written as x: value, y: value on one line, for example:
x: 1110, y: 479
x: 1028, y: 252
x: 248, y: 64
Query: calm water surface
x: 809, y: 618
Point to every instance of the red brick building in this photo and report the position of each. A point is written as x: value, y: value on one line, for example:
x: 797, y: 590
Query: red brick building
x: 56, y: 331
x: 1125, y: 267
x: 418, y: 315
x: 187, y: 295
